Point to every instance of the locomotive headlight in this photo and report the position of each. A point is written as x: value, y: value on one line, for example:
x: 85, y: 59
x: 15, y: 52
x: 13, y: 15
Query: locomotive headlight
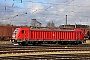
x: 13, y: 36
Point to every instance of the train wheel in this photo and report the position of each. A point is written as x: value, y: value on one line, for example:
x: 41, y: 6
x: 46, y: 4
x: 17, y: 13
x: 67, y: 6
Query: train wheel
x: 75, y: 43
x: 64, y: 43
x: 23, y: 44
x: 80, y: 42
x: 36, y: 43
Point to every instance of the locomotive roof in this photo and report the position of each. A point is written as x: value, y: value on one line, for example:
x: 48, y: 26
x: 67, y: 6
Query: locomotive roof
x: 52, y: 29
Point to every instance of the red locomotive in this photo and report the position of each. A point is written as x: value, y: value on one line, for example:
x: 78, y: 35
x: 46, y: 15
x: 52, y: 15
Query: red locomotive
x: 25, y: 36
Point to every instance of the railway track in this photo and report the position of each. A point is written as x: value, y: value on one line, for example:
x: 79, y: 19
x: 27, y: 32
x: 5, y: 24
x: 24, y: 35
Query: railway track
x: 45, y: 52
x: 4, y: 49
x: 30, y: 49
x: 49, y: 57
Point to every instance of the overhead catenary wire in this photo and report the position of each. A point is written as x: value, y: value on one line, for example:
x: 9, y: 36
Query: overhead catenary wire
x: 47, y: 8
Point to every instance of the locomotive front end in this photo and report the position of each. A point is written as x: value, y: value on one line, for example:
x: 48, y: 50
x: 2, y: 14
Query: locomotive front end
x: 14, y: 36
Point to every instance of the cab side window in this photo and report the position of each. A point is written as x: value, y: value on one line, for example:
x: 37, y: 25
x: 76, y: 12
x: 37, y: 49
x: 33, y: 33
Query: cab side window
x: 22, y: 31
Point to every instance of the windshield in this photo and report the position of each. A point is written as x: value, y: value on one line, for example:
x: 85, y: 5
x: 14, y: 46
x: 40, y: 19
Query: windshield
x: 15, y: 31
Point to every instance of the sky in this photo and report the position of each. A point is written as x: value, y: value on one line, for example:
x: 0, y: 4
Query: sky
x: 17, y: 12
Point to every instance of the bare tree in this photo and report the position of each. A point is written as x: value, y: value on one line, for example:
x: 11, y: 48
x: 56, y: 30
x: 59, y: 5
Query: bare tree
x: 50, y: 25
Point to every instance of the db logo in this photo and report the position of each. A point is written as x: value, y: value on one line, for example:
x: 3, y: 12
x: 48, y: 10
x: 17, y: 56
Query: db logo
x: 53, y: 34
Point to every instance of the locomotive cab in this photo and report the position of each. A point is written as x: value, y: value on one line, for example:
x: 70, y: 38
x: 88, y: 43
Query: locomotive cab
x: 19, y: 35
x: 14, y: 35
